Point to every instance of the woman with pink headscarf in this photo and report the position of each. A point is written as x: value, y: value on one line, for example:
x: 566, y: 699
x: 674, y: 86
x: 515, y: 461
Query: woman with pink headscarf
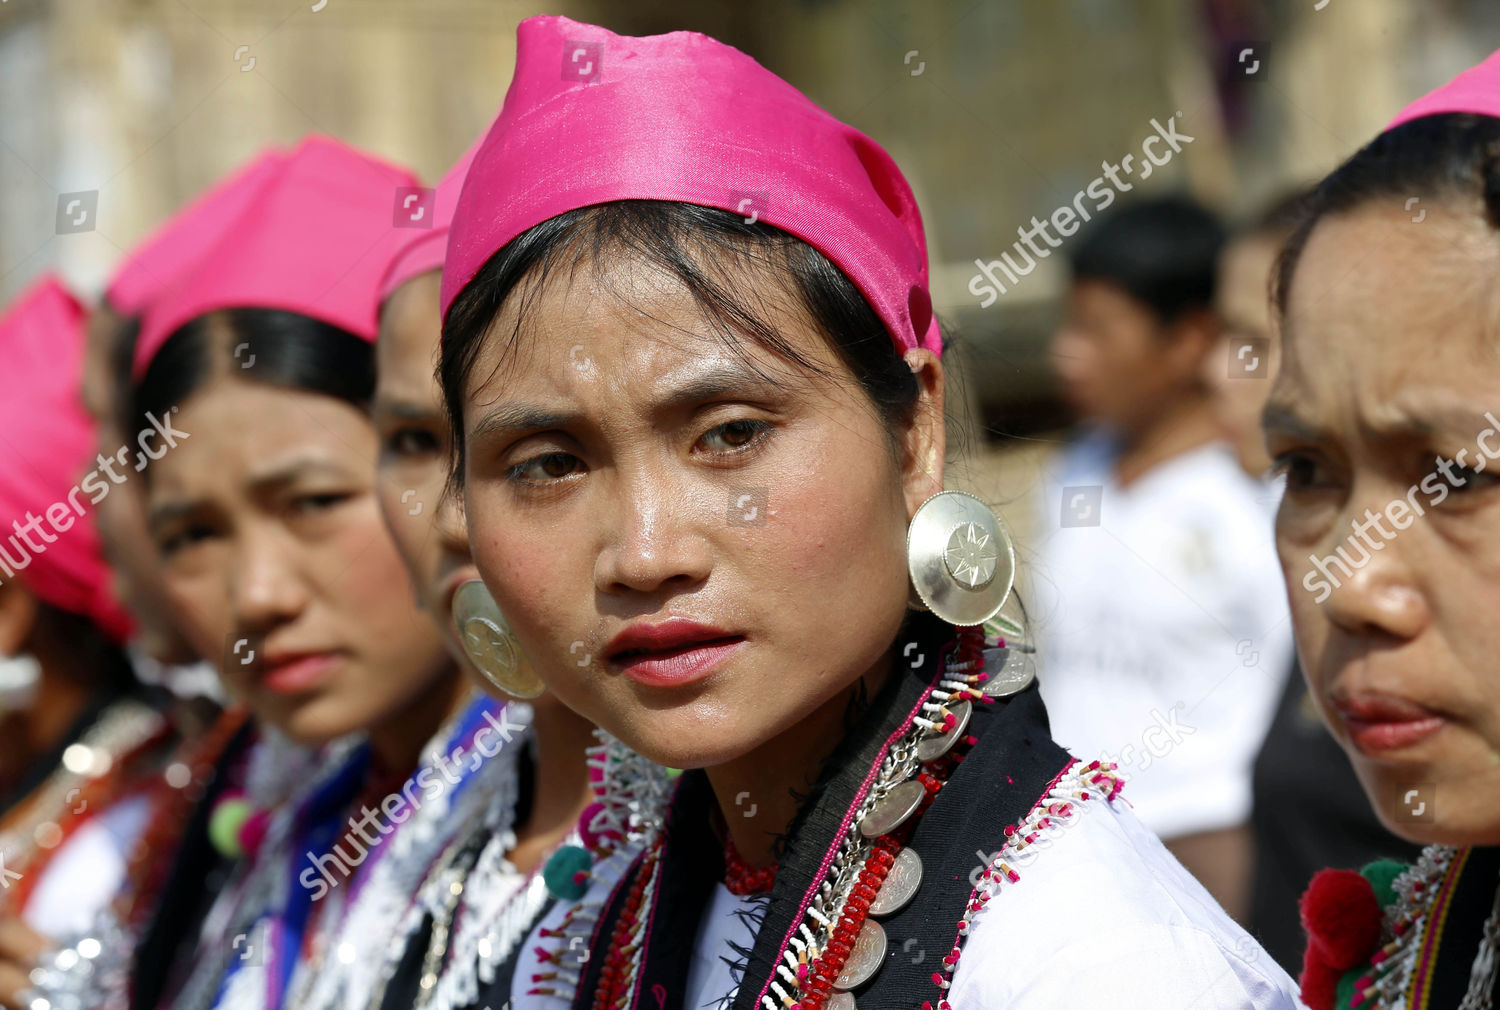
x: 1384, y: 420
x: 698, y: 402
x: 374, y: 753
x: 82, y: 746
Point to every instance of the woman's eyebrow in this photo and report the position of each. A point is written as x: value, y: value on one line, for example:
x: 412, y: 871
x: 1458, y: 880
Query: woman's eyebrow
x: 514, y: 418
x: 715, y: 382
x: 1282, y: 419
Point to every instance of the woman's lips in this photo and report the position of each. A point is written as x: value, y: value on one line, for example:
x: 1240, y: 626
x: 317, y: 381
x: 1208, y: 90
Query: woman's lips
x: 1379, y: 724
x: 678, y: 666
x: 296, y: 674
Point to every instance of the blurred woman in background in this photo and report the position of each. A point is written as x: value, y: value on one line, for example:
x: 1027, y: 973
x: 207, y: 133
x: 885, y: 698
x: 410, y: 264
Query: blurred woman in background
x: 82, y: 743
x: 455, y: 944
x: 374, y: 748
x: 1383, y: 419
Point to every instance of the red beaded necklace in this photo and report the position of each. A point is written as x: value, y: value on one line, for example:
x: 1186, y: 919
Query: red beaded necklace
x: 740, y: 877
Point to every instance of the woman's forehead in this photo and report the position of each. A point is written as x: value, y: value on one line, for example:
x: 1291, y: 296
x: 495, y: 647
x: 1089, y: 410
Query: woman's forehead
x: 1374, y: 285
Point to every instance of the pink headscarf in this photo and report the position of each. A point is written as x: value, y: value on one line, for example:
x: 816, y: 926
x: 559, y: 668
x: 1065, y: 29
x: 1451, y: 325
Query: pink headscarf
x: 424, y: 252
x: 316, y: 239
x: 175, y: 248
x: 592, y: 117
x: 48, y: 444
x: 1476, y: 90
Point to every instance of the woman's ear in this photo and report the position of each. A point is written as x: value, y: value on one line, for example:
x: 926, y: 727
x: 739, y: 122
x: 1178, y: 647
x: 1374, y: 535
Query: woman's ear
x: 925, y: 441
x: 18, y: 613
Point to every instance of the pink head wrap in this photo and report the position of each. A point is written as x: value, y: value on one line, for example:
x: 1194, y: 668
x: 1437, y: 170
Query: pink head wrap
x: 175, y: 248
x: 47, y: 536
x: 1476, y: 90
x: 592, y: 117
x: 424, y: 252
x: 316, y: 239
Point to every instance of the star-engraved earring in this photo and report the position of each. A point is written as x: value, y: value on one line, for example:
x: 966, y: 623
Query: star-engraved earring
x: 960, y: 558
x: 489, y: 644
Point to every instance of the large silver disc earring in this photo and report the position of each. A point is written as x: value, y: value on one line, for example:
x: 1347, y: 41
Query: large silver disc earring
x: 960, y: 558
x: 490, y: 646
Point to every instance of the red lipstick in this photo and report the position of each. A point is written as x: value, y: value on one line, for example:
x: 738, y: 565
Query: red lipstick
x: 670, y: 653
x: 1382, y: 723
x: 295, y: 672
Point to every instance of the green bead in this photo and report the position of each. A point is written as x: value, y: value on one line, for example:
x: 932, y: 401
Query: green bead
x: 563, y: 869
x: 224, y: 826
x: 672, y: 773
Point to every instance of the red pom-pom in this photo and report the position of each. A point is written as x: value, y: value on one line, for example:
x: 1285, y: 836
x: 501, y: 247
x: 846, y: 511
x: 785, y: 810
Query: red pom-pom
x: 1319, y: 982
x: 1342, y: 918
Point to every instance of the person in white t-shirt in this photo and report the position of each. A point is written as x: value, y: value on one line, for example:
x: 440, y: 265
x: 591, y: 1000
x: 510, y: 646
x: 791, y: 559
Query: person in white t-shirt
x: 1164, y: 638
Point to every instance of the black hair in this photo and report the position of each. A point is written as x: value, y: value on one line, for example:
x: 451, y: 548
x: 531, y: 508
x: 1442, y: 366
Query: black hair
x: 1449, y: 156
x: 1163, y: 252
x: 121, y: 358
x: 697, y: 246
x: 272, y: 346
x: 93, y: 657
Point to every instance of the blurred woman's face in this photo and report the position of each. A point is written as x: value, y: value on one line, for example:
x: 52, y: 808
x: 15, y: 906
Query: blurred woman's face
x: 1239, y: 391
x: 121, y: 515
x: 1378, y: 418
x: 427, y: 526
x: 693, y: 557
x: 277, y: 559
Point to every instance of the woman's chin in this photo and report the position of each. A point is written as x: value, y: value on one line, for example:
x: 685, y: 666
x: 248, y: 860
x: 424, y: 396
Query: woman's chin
x: 683, y: 750
x: 1459, y: 813
x: 311, y: 724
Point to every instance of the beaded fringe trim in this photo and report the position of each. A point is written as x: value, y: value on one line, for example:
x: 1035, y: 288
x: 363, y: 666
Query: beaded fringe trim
x: 1063, y: 800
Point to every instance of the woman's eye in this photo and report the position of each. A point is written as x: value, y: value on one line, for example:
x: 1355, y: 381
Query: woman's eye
x: 546, y: 467
x: 309, y: 504
x: 183, y: 538
x: 1467, y: 478
x: 412, y: 442
x: 734, y: 436
x: 1301, y: 469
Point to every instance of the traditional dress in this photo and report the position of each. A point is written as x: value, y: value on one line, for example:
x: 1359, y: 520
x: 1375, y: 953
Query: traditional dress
x: 1018, y: 878
x: 358, y: 875
x: 1423, y: 936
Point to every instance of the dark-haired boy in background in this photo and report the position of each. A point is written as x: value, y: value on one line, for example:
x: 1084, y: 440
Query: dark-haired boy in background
x: 1163, y: 620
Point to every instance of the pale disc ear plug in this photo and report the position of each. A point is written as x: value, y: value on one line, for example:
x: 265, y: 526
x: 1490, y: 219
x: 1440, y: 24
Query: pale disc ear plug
x: 960, y: 558
x: 489, y: 644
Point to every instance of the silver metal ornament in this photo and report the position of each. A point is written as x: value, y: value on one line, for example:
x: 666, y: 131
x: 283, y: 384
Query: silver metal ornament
x: 893, y: 810
x: 934, y: 747
x: 901, y: 883
x: 1010, y: 671
x: 960, y: 558
x: 489, y: 644
x: 865, y: 958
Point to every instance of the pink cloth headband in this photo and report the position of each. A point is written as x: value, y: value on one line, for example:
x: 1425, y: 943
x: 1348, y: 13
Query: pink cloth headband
x: 592, y: 117
x: 48, y: 483
x: 424, y: 252
x: 175, y: 248
x: 316, y: 239
x: 1476, y: 90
